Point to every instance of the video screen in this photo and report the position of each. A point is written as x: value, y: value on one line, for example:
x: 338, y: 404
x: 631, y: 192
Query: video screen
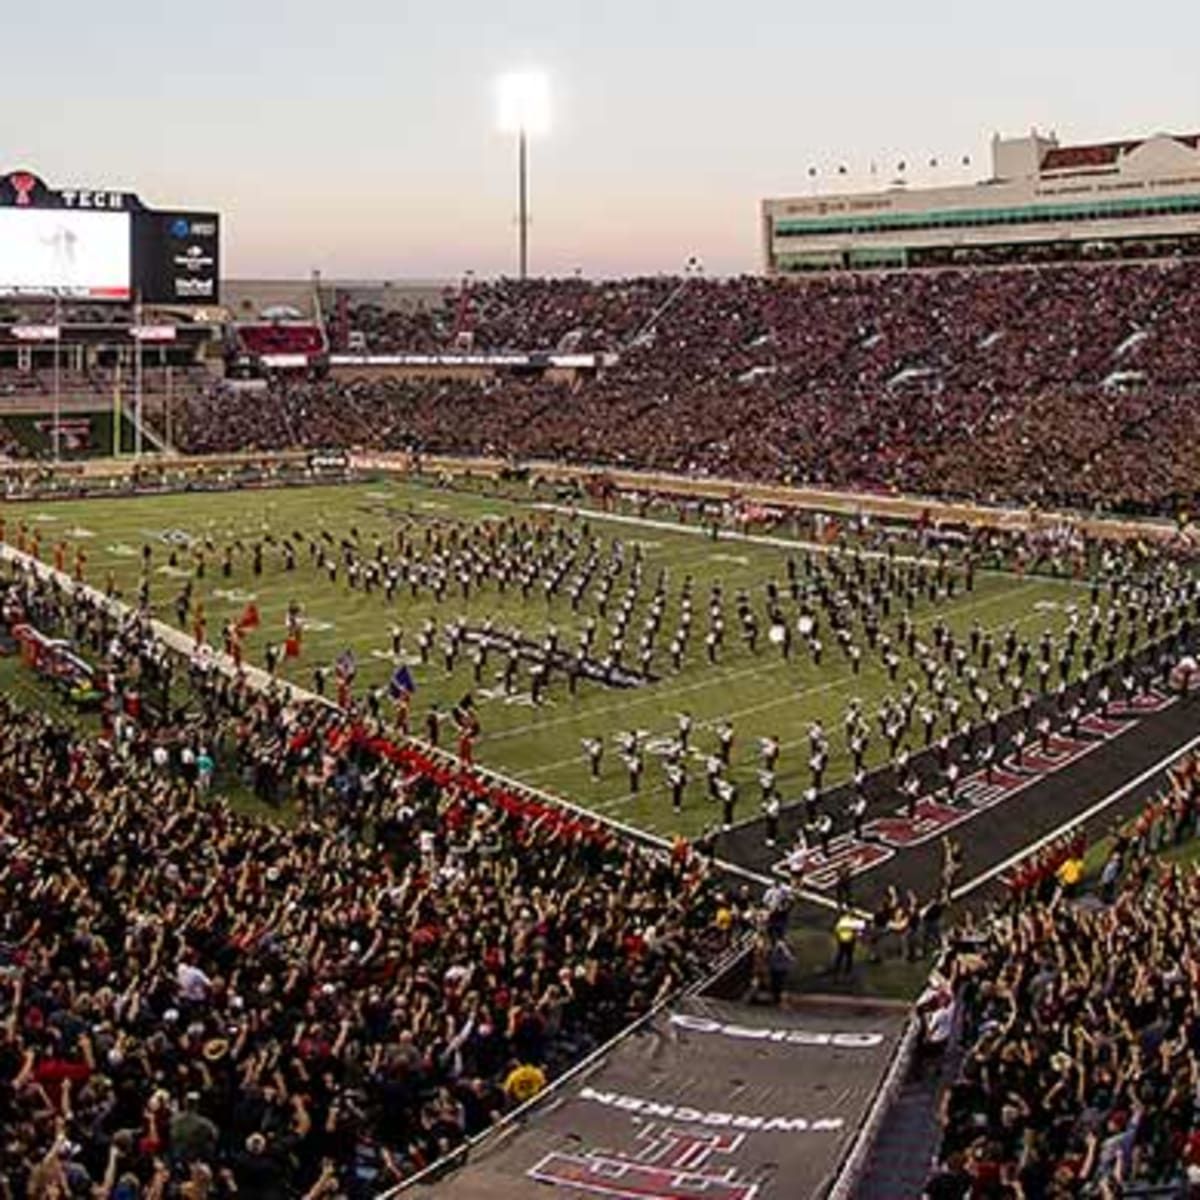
x: 63, y: 252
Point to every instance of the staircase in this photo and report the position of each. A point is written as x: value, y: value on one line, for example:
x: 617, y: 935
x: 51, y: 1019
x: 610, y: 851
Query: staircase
x: 901, y: 1158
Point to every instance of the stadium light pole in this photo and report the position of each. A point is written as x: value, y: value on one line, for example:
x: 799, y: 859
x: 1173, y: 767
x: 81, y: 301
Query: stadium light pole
x: 57, y: 432
x: 523, y: 109
x: 137, y: 378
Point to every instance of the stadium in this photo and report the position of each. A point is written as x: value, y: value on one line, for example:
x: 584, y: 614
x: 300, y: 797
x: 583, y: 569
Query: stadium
x: 666, y: 736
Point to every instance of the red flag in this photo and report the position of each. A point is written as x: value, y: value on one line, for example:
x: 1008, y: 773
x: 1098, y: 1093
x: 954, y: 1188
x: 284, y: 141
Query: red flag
x: 249, y: 618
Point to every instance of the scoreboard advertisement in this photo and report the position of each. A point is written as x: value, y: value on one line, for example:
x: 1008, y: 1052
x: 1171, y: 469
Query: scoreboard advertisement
x: 175, y: 256
x: 96, y: 244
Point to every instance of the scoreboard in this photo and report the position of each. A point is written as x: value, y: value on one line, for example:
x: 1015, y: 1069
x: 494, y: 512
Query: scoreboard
x: 96, y: 244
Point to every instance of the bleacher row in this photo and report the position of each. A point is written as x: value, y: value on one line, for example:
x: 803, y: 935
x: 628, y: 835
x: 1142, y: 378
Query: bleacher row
x: 1038, y: 384
x: 1012, y: 327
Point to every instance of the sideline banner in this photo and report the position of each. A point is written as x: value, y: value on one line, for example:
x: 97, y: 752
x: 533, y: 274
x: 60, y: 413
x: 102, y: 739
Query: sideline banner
x: 715, y: 1100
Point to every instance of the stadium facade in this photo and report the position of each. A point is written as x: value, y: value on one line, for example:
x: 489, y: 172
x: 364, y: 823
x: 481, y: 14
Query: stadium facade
x: 1043, y: 202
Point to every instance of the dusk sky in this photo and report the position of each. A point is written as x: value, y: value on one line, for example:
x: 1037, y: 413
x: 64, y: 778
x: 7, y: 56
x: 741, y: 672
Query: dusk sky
x: 360, y: 137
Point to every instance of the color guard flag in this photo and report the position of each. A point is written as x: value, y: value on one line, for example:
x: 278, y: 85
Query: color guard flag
x: 402, y: 681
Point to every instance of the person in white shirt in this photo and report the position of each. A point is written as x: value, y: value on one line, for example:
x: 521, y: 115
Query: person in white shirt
x: 797, y: 857
x: 192, y: 982
x: 771, y: 814
x: 427, y: 845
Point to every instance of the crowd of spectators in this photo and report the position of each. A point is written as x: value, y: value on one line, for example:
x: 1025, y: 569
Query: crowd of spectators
x: 1082, y: 1025
x: 510, y: 315
x: 64, y: 312
x: 16, y: 384
x: 1048, y: 383
x: 195, y: 1003
x: 1167, y: 821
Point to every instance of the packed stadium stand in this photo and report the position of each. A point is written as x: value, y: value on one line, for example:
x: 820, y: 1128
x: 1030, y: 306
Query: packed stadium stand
x: 1079, y: 1025
x: 364, y: 990
x: 1032, y: 384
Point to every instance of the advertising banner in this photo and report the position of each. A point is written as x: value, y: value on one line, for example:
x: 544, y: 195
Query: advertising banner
x: 176, y: 257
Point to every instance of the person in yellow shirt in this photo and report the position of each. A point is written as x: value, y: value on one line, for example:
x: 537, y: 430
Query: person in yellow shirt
x: 524, y: 1082
x: 845, y: 936
x: 1069, y: 874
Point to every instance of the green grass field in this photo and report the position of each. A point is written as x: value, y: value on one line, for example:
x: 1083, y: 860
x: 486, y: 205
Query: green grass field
x: 759, y: 693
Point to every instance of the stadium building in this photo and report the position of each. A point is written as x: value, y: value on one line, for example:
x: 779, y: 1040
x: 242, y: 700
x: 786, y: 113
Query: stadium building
x: 1044, y: 202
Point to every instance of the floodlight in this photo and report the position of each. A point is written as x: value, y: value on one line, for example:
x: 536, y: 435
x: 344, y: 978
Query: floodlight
x: 523, y: 109
x: 523, y: 102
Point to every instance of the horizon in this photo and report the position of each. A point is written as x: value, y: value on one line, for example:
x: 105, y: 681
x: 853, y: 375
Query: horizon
x: 370, y: 150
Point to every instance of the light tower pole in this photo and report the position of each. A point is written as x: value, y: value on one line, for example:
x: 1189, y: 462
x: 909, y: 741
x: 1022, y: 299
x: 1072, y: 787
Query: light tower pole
x: 523, y: 110
x: 523, y: 190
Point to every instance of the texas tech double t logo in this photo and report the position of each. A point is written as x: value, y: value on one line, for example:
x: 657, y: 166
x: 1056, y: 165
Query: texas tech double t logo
x: 672, y: 1164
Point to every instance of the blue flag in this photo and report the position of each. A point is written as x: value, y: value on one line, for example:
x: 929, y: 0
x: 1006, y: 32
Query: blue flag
x: 402, y: 681
x: 346, y: 665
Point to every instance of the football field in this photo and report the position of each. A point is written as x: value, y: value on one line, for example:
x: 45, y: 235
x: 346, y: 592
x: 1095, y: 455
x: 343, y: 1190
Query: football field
x: 757, y: 691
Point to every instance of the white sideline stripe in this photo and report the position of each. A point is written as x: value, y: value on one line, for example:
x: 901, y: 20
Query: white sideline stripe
x: 182, y: 644
x: 1149, y: 773
x: 820, y: 899
x: 844, y: 501
x: 723, y: 535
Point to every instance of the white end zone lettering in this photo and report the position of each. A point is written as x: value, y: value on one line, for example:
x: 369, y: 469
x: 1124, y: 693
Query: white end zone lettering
x: 820, y: 870
x: 792, y: 1037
